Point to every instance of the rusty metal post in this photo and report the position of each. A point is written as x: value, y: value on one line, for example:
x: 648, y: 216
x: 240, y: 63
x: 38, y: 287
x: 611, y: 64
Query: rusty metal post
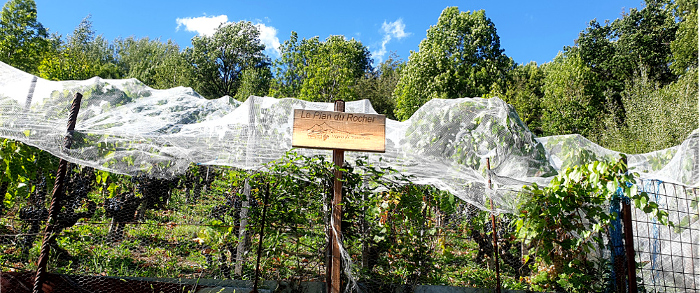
x: 260, y: 243
x: 495, y: 232
x: 333, y: 267
x: 56, y: 194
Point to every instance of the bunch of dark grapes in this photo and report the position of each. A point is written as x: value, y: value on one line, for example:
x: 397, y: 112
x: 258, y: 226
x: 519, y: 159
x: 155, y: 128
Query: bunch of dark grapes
x: 77, y: 189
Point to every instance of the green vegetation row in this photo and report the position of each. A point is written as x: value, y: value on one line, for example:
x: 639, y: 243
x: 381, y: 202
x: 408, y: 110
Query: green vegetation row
x: 395, y: 231
x: 630, y: 85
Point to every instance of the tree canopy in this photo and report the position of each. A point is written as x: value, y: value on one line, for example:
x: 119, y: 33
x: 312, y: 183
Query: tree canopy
x: 153, y: 62
x: 523, y: 88
x: 618, y: 51
x: 320, y: 71
x: 82, y: 56
x: 218, y: 61
x: 461, y: 56
x: 23, y: 39
x: 378, y: 85
x: 685, y: 47
x: 569, y: 104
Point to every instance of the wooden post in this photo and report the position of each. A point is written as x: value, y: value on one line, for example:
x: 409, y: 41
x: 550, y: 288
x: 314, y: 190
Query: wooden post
x: 629, y: 243
x: 333, y: 273
x: 629, y: 246
x: 340, y: 132
x: 243, y: 235
x: 54, y: 209
x: 494, y: 231
x: 260, y: 242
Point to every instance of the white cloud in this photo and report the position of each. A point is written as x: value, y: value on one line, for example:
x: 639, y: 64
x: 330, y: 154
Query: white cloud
x: 207, y: 25
x: 381, y: 52
x: 203, y: 25
x: 268, y: 36
x: 395, y: 29
x: 392, y: 30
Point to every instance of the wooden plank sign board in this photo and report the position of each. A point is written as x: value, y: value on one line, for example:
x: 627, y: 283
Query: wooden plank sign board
x: 339, y: 130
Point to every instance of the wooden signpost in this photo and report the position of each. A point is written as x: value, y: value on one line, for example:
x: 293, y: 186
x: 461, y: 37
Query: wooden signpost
x: 340, y: 132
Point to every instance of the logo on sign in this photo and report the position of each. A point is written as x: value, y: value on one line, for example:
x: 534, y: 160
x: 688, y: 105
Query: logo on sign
x: 324, y: 131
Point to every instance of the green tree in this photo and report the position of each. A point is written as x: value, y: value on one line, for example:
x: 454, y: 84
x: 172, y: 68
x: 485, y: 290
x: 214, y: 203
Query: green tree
x: 218, y: 61
x: 23, y: 40
x: 523, y: 88
x: 334, y: 68
x: 155, y: 63
x: 289, y: 68
x: 685, y: 46
x: 669, y: 113
x: 571, y: 101
x: 255, y: 82
x: 378, y: 85
x: 320, y: 71
x: 617, y: 50
x: 640, y: 65
x: 461, y: 56
x: 83, y: 55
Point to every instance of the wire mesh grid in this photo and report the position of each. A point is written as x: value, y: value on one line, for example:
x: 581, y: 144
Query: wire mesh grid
x: 668, y: 257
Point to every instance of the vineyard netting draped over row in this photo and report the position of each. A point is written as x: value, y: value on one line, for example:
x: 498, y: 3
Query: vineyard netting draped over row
x: 166, y: 184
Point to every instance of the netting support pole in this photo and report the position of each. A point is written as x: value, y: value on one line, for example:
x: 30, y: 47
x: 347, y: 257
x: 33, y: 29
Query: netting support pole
x: 333, y: 267
x: 629, y: 243
x: 260, y: 243
x: 629, y: 246
x: 494, y: 231
x: 56, y: 194
x: 243, y: 234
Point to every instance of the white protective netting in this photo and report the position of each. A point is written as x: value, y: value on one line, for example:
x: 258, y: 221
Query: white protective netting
x: 128, y: 128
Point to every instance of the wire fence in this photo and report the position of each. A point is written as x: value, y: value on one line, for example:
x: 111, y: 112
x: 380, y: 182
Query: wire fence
x: 668, y: 257
x: 205, y: 231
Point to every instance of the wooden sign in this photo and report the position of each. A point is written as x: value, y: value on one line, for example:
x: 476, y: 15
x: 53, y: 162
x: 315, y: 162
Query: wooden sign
x: 339, y: 130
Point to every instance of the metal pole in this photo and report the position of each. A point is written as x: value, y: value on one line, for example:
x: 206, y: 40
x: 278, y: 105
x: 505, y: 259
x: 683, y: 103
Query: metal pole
x: 54, y: 208
x: 493, y: 228
x: 333, y: 273
x: 260, y: 243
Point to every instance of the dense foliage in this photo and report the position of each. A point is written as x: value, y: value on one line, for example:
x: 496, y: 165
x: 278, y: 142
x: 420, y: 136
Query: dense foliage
x: 461, y: 56
x: 23, y: 40
x: 320, y: 71
x: 155, y: 63
x: 218, y: 63
x: 82, y: 56
x: 566, y: 222
x: 208, y: 222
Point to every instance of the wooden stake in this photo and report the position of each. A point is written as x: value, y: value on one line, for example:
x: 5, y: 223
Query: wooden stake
x: 333, y: 274
x: 629, y: 246
x: 260, y: 242
x: 629, y: 243
x: 494, y: 231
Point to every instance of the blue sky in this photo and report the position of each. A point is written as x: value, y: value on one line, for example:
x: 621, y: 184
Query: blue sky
x: 529, y: 30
